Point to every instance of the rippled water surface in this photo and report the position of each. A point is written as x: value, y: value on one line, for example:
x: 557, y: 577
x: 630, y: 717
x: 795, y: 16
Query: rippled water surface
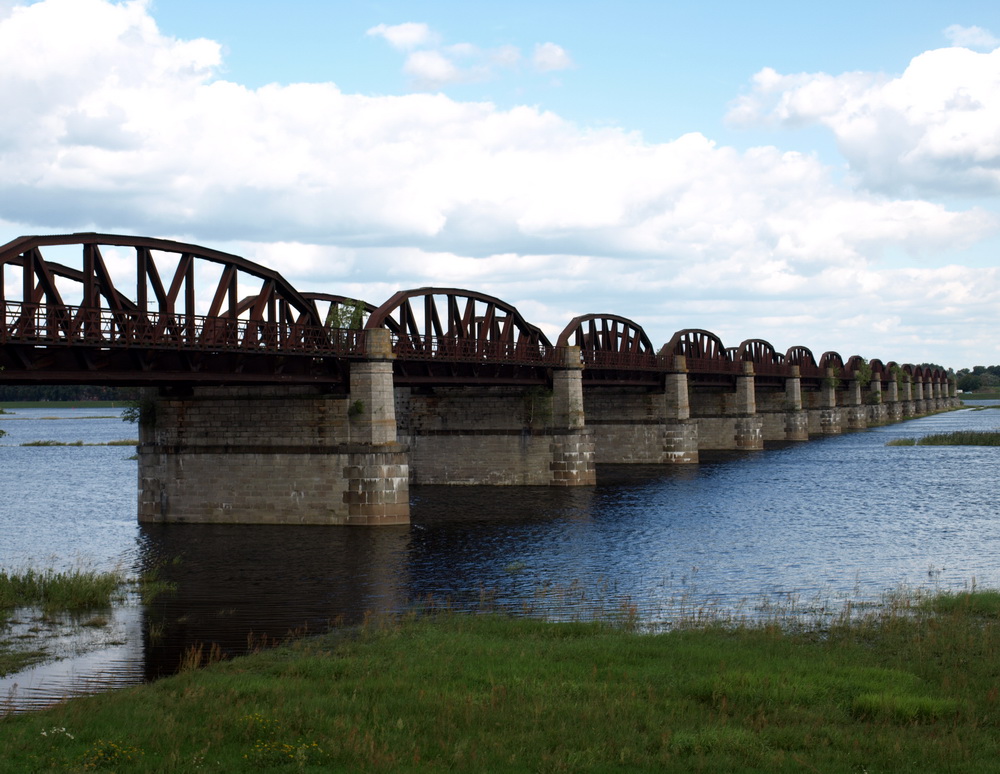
x: 836, y: 516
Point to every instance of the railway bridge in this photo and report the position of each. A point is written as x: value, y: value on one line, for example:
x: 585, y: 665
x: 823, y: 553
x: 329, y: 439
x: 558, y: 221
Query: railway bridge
x: 265, y: 404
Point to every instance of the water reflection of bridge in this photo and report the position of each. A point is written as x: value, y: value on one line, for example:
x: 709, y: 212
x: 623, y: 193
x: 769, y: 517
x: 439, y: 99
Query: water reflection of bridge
x: 262, y: 408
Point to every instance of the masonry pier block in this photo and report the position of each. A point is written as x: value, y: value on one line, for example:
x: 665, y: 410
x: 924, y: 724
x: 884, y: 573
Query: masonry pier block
x: 728, y: 419
x: 638, y: 425
x: 499, y: 435
x: 275, y: 454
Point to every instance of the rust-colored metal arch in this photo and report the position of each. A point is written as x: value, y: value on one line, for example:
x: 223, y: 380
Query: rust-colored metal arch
x: 832, y: 360
x: 854, y: 364
x: 766, y: 360
x: 112, y: 336
x: 697, y: 345
x: 459, y: 325
x: 803, y: 358
x: 609, y: 341
x: 705, y: 356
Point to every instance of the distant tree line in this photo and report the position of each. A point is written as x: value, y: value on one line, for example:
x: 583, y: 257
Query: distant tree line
x: 71, y: 392
x: 979, y: 378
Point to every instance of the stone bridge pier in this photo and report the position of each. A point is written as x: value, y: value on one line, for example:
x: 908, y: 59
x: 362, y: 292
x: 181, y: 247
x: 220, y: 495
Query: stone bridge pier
x: 499, y: 434
x: 276, y: 454
x: 642, y: 425
x: 784, y: 418
x: 729, y: 420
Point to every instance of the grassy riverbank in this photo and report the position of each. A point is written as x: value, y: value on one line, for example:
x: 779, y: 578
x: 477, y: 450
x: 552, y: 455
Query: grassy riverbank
x: 955, y: 438
x: 51, y: 592
x: 913, y: 686
x: 994, y: 395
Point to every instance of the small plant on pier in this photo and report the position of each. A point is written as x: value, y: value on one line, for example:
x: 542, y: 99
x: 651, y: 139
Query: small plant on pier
x: 863, y: 373
x: 537, y: 406
x: 141, y: 411
x: 349, y: 315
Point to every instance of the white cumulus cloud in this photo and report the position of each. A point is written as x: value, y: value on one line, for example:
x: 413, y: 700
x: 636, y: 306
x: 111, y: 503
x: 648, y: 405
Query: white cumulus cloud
x: 405, y: 36
x: 113, y: 126
x: 550, y: 56
x: 971, y: 37
x: 933, y: 129
x: 432, y: 69
x: 432, y: 65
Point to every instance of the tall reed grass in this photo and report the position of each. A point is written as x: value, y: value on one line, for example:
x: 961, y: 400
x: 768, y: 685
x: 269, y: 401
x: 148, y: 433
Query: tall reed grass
x: 54, y: 591
x: 956, y: 438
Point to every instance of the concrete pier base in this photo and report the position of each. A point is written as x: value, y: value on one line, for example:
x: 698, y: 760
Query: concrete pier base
x: 273, y: 455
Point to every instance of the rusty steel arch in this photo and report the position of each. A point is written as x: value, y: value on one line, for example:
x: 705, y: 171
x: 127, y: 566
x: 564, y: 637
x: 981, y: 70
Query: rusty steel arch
x: 915, y: 372
x: 609, y: 341
x: 832, y: 360
x: 803, y: 358
x: 706, y: 358
x: 123, y: 337
x: 854, y: 364
x: 449, y: 334
x: 766, y: 360
x: 699, y: 346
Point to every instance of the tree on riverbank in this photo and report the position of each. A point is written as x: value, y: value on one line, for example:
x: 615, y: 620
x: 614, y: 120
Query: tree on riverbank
x: 77, y: 392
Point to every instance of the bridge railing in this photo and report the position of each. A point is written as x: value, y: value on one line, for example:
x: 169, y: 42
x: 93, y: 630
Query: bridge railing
x: 471, y: 350
x: 713, y: 365
x: 630, y: 361
x: 770, y: 369
x: 41, y: 324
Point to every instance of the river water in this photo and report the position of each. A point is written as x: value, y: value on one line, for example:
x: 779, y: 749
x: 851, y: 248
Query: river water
x: 842, y: 517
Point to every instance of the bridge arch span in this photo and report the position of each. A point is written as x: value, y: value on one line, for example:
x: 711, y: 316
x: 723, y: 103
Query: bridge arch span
x: 803, y: 358
x: 161, y: 308
x: 609, y: 341
x: 854, y: 364
x: 702, y: 350
x: 766, y: 360
x: 462, y: 325
x: 832, y: 360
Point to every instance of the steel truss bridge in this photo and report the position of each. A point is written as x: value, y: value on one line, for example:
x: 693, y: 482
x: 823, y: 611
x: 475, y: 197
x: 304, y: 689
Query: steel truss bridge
x: 74, y: 324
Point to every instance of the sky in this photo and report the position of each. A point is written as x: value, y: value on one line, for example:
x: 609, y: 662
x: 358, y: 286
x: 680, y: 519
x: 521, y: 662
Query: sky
x: 817, y: 175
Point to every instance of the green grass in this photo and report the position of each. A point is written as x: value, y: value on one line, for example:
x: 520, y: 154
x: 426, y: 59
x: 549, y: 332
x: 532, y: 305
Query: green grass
x: 956, y: 438
x: 70, y: 591
x: 909, y: 687
x: 14, y: 660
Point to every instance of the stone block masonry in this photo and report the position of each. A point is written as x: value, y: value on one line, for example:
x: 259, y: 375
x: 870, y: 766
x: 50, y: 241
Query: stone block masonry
x: 499, y: 436
x: 270, y: 455
x: 275, y: 454
x: 305, y: 455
